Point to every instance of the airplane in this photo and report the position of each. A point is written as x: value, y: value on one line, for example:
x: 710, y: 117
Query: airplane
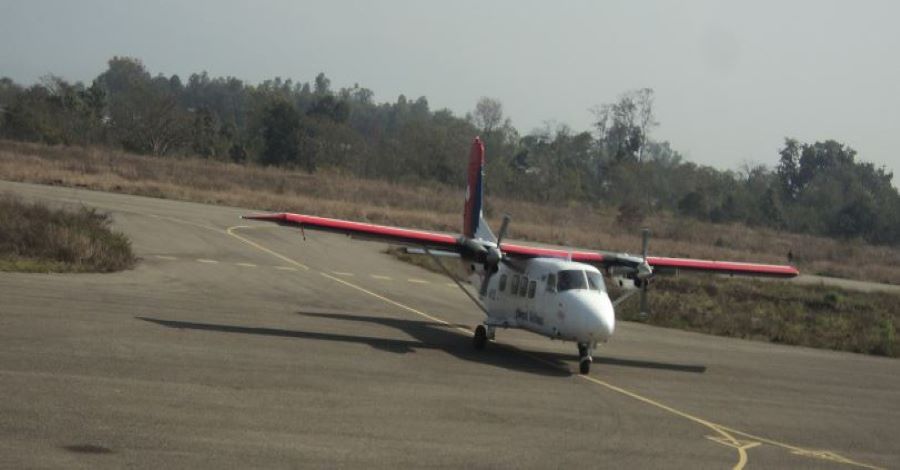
x: 560, y: 294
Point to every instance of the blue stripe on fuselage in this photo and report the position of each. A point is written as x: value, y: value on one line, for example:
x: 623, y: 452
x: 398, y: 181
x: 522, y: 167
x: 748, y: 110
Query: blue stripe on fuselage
x: 475, y: 216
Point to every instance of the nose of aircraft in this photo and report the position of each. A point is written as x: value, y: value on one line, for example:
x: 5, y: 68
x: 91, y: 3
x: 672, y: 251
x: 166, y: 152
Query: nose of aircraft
x: 604, y: 319
x: 598, y: 319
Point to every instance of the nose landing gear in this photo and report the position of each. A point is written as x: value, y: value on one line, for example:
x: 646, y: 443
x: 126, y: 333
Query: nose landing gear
x: 585, y: 353
x: 482, y: 335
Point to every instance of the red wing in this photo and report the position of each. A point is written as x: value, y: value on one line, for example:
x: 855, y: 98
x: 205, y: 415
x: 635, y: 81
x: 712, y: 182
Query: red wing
x: 724, y: 267
x: 590, y: 257
x: 363, y: 230
x: 604, y: 260
x: 451, y: 243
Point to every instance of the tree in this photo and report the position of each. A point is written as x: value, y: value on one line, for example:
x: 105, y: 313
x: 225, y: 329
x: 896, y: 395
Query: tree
x: 323, y: 85
x: 789, y: 169
x: 144, y: 113
x: 205, y: 133
x: 623, y: 127
x: 281, y: 135
x: 488, y: 114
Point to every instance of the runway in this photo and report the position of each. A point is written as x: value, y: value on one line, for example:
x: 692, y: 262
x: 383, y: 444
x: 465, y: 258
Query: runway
x: 236, y: 344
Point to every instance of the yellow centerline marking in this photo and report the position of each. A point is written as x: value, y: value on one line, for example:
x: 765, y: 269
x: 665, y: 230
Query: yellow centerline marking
x: 208, y: 261
x: 727, y: 434
x: 231, y: 230
x: 339, y: 273
x: 381, y: 277
x: 246, y: 265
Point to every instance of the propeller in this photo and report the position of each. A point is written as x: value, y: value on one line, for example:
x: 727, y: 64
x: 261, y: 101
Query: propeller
x: 644, y: 271
x: 494, y: 256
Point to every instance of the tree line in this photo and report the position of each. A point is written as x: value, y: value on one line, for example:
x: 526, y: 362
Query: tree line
x: 819, y: 187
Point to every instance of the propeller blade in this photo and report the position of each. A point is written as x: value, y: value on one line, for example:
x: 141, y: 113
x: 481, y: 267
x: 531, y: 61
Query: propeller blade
x: 645, y: 310
x: 503, y: 226
x: 645, y: 242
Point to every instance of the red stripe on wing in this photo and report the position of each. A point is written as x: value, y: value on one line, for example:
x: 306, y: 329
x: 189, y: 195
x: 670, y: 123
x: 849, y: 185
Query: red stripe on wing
x: 533, y: 252
x: 724, y: 267
x: 383, y: 232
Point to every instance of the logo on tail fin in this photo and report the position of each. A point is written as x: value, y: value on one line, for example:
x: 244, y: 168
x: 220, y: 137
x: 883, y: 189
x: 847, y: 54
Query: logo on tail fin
x: 474, y: 225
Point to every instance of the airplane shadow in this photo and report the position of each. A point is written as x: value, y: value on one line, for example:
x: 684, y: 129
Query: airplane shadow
x: 425, y: 331
x: 429, y: 335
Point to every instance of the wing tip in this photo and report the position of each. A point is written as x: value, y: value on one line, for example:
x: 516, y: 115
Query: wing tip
x: 264, y: 217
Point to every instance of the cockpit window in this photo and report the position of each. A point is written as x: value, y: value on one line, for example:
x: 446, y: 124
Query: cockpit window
x: 595, y: 281
x: 578, y: 279
x: 571, y: 279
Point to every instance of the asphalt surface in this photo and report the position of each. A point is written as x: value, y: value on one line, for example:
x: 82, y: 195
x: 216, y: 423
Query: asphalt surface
x: 234, y: 346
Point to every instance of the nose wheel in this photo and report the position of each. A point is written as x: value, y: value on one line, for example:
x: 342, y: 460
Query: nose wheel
x: 480, y: 338
x: 482, y: 335
x: 585, y: 353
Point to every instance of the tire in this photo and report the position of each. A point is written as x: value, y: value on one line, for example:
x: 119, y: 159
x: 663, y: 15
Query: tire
x: 480, y: 338
x: 585, y: 366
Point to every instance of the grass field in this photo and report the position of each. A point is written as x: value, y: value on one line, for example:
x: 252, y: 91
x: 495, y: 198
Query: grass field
x: 35, y: 238
x: 431, y: 206
x: 779, y: 312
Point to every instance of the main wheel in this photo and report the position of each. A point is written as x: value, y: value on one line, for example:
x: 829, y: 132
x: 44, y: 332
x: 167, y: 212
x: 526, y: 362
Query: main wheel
x: 585, y: 366
x: 480, y: 338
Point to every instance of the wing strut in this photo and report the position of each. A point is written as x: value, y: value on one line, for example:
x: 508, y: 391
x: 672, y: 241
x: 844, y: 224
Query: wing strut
x: 451, y: 276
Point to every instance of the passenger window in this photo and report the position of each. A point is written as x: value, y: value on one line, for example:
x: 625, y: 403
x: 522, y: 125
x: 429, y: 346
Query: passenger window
x: 514, y: 286
x: 531, y: 286
x: 551, y: 283
x: 523, y: 286
x: 502, y: 282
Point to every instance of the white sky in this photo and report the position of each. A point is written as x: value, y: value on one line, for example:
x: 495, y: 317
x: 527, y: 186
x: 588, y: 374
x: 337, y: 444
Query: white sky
x: 732, y: 79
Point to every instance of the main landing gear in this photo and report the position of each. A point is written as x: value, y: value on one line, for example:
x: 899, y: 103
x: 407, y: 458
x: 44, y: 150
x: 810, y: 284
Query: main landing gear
x: 482, y: 335
x: 585, y: 352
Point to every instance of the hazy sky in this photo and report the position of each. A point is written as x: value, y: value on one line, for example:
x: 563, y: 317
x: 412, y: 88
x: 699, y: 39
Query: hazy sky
x: 732, y: 79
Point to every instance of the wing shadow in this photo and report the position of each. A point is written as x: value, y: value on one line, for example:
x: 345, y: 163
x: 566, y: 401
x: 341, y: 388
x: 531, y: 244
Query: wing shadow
x: 433, y: 336
x: 427, y: 335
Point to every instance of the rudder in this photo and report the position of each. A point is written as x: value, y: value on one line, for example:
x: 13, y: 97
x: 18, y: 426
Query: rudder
x: 474, y: 225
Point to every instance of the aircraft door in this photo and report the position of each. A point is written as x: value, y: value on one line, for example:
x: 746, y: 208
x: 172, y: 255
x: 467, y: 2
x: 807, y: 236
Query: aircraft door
x: 547, y: 304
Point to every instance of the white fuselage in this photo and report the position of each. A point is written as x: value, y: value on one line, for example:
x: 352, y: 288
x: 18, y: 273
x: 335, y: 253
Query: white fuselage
x: 556, y: 298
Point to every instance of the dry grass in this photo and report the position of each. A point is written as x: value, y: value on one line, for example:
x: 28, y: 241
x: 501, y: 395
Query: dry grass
x: 430, y: 206
x: 34, y: 238
x: 815, y: 316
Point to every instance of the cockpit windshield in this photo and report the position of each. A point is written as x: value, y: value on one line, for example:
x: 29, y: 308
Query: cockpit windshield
x: 578, y: 279
x: 573, y: 279
x: 595, y: 281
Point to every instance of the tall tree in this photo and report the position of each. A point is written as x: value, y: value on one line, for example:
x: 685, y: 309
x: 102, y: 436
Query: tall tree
x: 488, y: 114
x: 281, y: 135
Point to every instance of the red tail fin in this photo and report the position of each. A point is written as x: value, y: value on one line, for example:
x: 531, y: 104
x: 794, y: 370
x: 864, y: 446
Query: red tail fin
x: 474, y: 190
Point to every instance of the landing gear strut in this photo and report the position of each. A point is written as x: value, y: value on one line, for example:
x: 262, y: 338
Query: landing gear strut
x: 584, y: 357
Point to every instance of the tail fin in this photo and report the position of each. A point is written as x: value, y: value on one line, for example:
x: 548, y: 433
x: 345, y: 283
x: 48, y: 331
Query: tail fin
x: 474, y: 225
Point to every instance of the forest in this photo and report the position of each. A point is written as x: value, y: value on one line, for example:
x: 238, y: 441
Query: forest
x: 819, y: 188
